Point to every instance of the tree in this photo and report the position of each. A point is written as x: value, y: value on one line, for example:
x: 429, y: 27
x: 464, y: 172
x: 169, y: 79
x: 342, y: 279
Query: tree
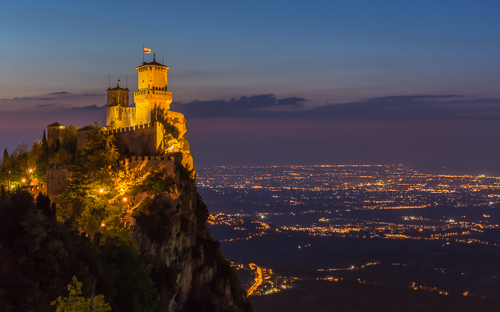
x: 6, y: 158
x: 75, y: 302
x: 100, y: 150
x: 45, y: 144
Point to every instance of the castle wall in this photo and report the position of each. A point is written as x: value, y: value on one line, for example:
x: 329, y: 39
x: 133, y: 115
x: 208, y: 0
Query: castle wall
x: 120, y: 117
x: 118, y: 97
x: 81, y: 138
x: 155, y: 97
x: 57, y: 181
x: 142, y: 113
x: 140, y: 140
x: 54, y: 135
x: 152, y: 76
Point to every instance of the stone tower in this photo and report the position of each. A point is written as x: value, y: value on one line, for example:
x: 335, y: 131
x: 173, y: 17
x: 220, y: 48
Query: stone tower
x: 152, y: 98
x: 54, y: 134
x: 118, y: 113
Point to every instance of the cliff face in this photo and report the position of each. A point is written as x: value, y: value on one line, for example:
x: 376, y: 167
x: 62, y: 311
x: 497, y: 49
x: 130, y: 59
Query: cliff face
x: 154, y: 196
x: 186, y: 264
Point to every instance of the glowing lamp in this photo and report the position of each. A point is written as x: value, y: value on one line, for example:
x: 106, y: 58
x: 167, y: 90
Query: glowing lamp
x: 60, y: 127
x: 101, y: 190
x: 31, y: 170
x: 24, y: 180
x: 124, y: 198
x: 102, y: 224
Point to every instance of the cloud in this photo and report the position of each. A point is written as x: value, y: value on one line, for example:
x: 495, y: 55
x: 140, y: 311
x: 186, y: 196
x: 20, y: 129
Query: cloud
x: 408, y: 107
x: 90, y: 107
x: 44, y: 105
x: 52, y: 101
x: 414, y: 107
x: 252, y: 106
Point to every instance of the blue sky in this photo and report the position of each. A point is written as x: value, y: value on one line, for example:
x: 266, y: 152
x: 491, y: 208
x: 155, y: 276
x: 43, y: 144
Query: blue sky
x: 325, y: 52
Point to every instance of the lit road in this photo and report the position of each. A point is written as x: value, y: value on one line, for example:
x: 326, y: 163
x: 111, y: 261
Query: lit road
x: 258, y: 280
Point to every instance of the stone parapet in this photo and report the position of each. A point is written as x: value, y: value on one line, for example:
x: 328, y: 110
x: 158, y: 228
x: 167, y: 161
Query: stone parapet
x: 128, y: 129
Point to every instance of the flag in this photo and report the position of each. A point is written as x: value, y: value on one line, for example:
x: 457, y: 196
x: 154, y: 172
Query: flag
x: 147, y: 51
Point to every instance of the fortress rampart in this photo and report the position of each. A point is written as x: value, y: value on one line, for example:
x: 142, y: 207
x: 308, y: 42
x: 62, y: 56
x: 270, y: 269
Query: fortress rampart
x: 121, y: 116
x: 141, y: 140
x: 139, y: 131
x: 57, y: 180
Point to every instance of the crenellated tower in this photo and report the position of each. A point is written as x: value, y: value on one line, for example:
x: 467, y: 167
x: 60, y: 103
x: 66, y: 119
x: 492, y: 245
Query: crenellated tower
x: 118, y: 112
x: 152, y: 98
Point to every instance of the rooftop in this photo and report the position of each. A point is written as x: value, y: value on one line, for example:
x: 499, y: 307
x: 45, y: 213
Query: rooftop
x: 55, y: 124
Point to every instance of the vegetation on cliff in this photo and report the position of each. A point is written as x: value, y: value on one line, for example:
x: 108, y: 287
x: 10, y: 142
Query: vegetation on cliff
x: 134, y: 235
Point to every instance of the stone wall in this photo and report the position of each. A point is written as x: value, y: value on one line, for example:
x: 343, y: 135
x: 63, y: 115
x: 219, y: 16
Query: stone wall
x: 140, y: 140
x: 81, y: 138
x: 57, y: 181
x: 120, y: 117
x: 54, y: 135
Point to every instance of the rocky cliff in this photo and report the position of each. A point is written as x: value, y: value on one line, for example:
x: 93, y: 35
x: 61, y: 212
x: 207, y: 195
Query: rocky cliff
x: 186, y: 264
x: 151, y: 203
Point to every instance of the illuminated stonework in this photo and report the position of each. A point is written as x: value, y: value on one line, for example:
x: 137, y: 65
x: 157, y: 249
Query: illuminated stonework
x: 149, y: 128
x: 151, y: 99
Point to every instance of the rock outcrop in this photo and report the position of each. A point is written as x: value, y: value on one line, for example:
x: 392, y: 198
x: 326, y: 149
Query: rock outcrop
x: 186, y: 264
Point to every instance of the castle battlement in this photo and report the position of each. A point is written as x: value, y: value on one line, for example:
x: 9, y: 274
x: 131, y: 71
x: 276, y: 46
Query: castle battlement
x: 167, y: 161
x: 128, y: 129
x: 138, y: 134
x: 123, y: 109
x: 154, y: 90
x: 167, y: 158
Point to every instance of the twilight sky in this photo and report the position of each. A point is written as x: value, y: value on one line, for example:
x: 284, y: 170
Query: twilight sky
x: 271, y: 82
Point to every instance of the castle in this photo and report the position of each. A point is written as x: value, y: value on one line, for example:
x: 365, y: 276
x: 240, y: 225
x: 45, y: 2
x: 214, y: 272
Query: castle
x: 147, y: 131
x: 151, y: 98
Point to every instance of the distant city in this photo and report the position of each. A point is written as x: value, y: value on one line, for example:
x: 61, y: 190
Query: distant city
x: 356, y: 187
x: 316, y: 207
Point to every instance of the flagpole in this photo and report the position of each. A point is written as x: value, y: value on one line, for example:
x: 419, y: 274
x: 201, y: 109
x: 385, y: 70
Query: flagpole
x: 143, y: 53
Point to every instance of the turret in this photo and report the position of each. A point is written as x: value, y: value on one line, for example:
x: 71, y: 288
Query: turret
x: 54, y: 134
x: 152, y: 98
x: 118, y: 96
x: 118, y: 113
